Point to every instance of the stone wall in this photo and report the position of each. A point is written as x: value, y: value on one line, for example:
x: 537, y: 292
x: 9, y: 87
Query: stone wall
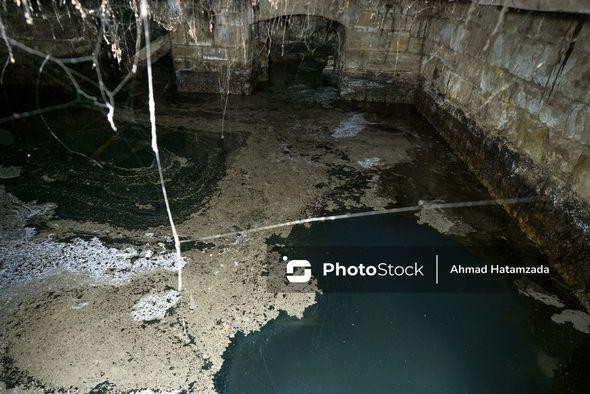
x: 380, y: 54
x: 382, y: 51
x: 61, y: 34
x: 211, y: 44
x: 512, y: 99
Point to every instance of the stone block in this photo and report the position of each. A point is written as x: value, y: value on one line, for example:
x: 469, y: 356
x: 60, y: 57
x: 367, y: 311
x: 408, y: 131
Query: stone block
x: 401, y: 22
x: 460, y: 90
x: 552, y: 114
x: 474, y: 41
x: 214, y: 54
x: 365, y: 18
x: 415, y: 45
x: 551, y: 28
x: 228, y: 36
x: 528, y: 97
x: 503, y: 49
x: 229, y: 19
x: 573, y: 79
x: 583, y: 41
x: 178, y: 35
x: 240, y: 82
x: 186, y: 52
x: 200, y: 38
x: 576, y: 122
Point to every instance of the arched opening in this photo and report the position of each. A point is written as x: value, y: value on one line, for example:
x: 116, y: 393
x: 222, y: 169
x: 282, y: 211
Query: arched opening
x: 294, y: 49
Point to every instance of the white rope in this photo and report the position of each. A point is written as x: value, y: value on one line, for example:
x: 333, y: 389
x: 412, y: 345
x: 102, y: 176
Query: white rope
x: 152, y: 107
x: 419, y: 207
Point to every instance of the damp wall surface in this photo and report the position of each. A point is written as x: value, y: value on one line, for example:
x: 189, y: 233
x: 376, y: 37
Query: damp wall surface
x: 509, y: 90
x: 379, y: 52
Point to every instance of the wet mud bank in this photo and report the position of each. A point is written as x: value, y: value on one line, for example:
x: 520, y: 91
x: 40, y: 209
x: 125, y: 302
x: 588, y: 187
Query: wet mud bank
x: 556, y: 221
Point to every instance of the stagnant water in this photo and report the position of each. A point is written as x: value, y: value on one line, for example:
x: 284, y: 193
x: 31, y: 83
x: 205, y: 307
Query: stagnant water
x: 418, y: 342
x: 474, y: 339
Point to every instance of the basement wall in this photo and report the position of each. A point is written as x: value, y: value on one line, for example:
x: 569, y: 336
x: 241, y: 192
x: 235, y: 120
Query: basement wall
x: 513, y: 101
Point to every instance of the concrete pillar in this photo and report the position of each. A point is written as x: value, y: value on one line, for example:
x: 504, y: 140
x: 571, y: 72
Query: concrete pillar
x: 212, y: 50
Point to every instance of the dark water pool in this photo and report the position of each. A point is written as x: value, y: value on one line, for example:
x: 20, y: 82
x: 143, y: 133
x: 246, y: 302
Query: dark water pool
x: 398, y: 342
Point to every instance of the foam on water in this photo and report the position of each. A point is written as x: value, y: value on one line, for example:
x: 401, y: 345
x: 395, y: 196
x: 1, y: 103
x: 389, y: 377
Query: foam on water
x: 369, y: 162
x: 580, y: 320
x: 24, y: 261
x: 350, y: 127
x: 154, y: 306
x: 23, y: 258
x: 536, y: 292
x: 9, y: 172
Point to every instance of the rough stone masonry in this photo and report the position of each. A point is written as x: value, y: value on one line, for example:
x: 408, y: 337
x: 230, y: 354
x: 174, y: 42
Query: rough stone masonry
x: 507, y: 88
x: 506, y: 83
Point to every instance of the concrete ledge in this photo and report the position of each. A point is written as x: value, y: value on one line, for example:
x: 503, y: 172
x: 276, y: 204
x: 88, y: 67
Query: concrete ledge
x: 559, y: 222
x: 378, y: 87
x: 240, y: 81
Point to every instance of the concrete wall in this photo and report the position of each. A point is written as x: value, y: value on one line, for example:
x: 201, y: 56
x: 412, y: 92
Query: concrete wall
x: 514, y: 102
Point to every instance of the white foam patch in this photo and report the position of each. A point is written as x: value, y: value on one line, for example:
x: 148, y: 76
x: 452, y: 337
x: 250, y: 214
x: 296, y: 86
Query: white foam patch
x: 536, y: 292
x: 9, y: 172
x: 545, y: 298
x: 369, y: 162
x: 439, y: 220
x: 23, y: 258
x: 154, y: 306
x: 24, y: 261
x: 350, y: 127
x: 580, y: 320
